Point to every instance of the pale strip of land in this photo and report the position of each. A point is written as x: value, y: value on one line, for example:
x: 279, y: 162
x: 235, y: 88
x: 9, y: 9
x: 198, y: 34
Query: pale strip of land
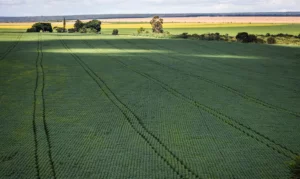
x: 287, y: 20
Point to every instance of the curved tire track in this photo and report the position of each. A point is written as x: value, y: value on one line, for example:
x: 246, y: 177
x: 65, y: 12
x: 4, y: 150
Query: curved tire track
x: 270, y: 143
x: 11, y: 47
x: 137, y: 125
x: 228, y: 88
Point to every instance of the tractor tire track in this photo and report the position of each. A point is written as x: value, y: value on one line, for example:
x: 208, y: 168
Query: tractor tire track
x: 39, y: 96
x: 11, y: 47
x: 270, y: 143
x: 137, y: 125
x: 46, y: 128
x: 228, y: 88
x: 35, y: 93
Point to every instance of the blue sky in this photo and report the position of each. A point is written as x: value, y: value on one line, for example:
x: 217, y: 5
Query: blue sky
x: 67, y: 7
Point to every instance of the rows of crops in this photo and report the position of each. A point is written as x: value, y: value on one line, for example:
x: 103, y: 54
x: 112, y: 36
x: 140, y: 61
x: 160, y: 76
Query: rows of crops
x: 96, y: 106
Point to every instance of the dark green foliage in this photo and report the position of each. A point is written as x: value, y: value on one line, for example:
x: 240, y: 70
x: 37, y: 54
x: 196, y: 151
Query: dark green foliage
x: 242, y: 37
x: 196, y: 36
x: 283, y: 35
x: 59, y: 29
x: 83, y: 30
x: 33, y: 29
x: 91, y: 30
x: 184, y: 35
x: 268, y: 35
x: 115, y: 32
x: 141, y: 30
x: 45, y: 27
x: 72, y: 30
x: 78, y: 25
x: 94, y: 24
x: 295, y: 168
x: 260, y: 41
x: 252, y: 38
x: 271, y: 40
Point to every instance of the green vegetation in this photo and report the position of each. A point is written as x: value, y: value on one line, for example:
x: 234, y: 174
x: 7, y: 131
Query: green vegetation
x: 295, y: 167
x: 103, y: 106
x: 40, y: 27
x: 115, y: 32
x: 93, y: 26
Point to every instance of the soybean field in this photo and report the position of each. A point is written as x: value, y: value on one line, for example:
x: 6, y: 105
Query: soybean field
x: 103, y: 106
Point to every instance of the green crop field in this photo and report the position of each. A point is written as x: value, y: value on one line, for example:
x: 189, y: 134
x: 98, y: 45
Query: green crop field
x: 102, y: 106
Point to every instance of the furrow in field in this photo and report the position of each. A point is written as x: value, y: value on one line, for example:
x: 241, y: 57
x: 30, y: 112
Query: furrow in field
x: 11, y: 47
x: 162, y: 151
x: 228, y: 88
x: 281, y: 149
x: 35, y: 93
x: 44, y: 163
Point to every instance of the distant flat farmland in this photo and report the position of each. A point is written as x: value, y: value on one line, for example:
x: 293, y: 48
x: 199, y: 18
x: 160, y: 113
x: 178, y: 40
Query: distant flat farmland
x: 103, y: 106
x: 198, y: 25
x: 256, y: 19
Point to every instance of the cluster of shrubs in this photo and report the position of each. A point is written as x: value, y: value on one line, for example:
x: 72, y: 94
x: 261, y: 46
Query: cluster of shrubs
x: 41, y: 27
x: 93, y: 26
x: 209, y: 36
x: 243, y: 37
x: 142, y: 30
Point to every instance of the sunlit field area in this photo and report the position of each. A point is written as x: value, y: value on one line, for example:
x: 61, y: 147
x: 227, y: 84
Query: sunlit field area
x: 103, y: 106
x: 178, y: 27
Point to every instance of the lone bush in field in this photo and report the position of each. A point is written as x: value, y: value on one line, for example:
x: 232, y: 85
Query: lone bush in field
x: 115, y: 32
x: 268, y: 35
x: 157, y: 24
x: 295, y: 168
x: 271, y: 40
x: 141, y: 30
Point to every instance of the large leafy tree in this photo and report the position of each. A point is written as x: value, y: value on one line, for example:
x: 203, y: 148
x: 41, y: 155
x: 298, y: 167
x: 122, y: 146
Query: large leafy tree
x: 40, y: 26
x: 78, y: 25
x: 157, y: 24
x: 94, y: 24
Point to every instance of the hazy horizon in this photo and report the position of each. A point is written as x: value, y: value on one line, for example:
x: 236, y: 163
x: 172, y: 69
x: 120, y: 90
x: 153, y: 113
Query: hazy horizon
x: 14, y: 8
